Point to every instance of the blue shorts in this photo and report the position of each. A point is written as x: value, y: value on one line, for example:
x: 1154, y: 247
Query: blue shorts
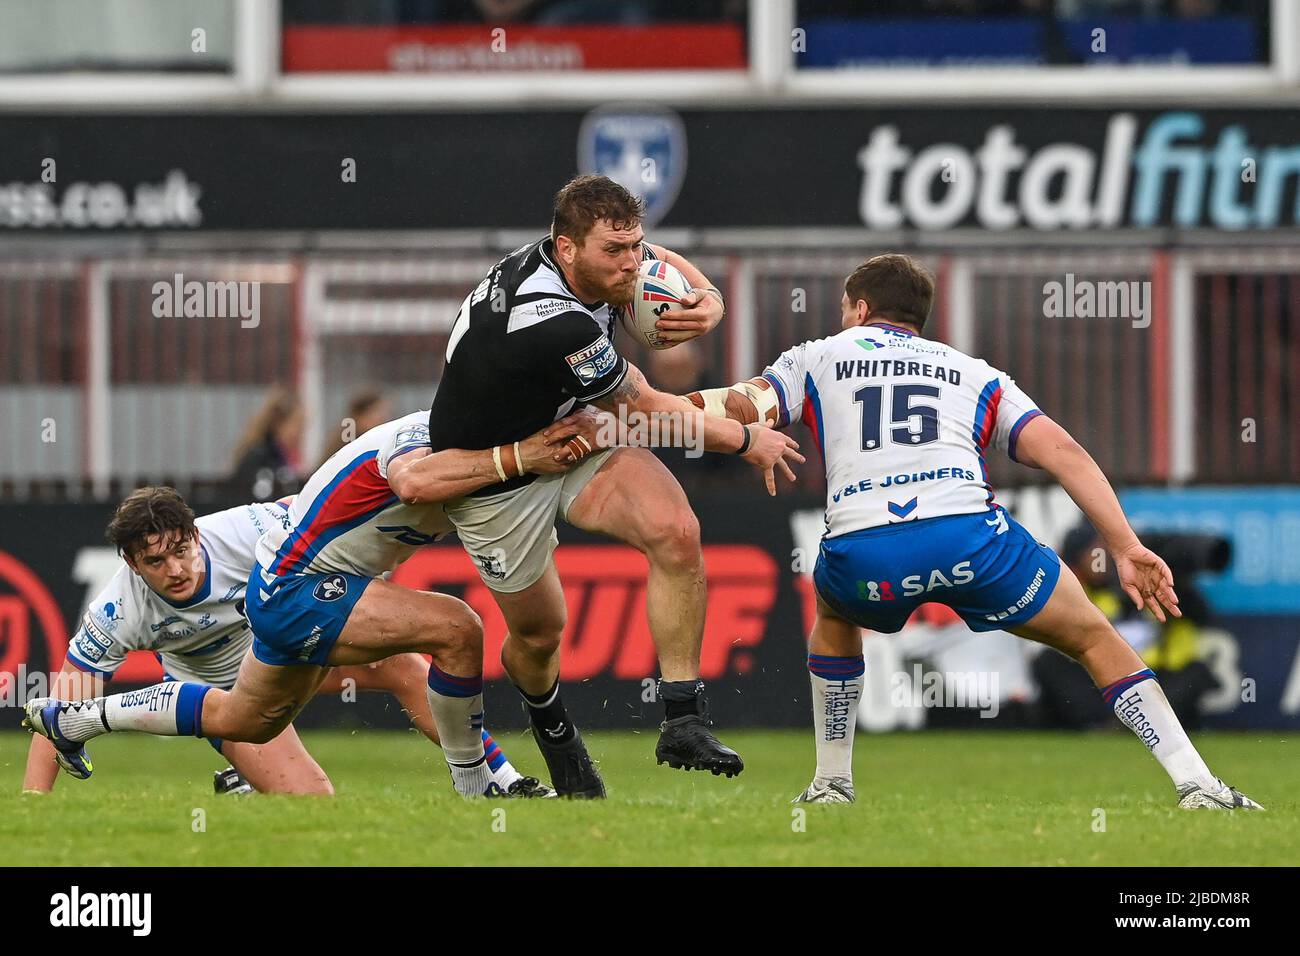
x: 297, y: 619
x: 984, y: 566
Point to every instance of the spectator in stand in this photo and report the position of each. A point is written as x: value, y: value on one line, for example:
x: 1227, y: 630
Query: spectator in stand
x: 366, y: 409
x: 267, y: 455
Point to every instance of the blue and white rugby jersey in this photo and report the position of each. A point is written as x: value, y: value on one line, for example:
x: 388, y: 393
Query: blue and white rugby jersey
x: 902, y: 423
x: 346, y: 519
x: 202, y: 640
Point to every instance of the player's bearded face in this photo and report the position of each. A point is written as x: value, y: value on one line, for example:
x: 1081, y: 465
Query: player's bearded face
x: 607, y: 261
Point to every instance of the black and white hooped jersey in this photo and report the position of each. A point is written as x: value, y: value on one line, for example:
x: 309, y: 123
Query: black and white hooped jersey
x: 524, y: 351
x: 203, y: 639
x: 902, y: 423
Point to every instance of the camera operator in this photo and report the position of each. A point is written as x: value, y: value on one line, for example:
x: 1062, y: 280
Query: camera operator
x: 1172, y: 649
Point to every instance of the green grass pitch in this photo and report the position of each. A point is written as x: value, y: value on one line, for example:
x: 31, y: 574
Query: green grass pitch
x: 990, y: 798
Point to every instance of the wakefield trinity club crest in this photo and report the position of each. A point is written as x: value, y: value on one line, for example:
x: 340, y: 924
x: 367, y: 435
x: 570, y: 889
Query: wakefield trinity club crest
x: 642, y: 149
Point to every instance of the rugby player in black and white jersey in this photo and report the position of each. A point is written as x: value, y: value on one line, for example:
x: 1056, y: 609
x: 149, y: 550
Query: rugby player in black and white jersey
x: 533, y: 341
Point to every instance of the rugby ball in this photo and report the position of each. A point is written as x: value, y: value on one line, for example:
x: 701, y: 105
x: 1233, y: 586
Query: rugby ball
x: 659, y: 287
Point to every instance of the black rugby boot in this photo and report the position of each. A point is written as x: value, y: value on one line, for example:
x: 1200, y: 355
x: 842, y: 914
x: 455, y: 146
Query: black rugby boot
x: 572, y: 772
x: 685, y: 741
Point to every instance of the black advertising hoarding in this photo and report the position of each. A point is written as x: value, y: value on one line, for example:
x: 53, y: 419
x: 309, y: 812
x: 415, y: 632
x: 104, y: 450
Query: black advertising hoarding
x: 753, y: 655
x: 760, y: 607
x: 1048, y: 170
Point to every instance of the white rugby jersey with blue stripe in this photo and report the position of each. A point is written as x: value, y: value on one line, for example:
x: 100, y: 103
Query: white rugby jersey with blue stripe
x: 347, y: 520
x: 902, y: 423
x: 202, y: 640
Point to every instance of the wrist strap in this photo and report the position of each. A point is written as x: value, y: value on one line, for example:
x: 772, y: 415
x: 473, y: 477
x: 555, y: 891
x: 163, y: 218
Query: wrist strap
x: 749, y: 439
x: 716, y: 294
x: 519, y: 461
x: 496, y: 460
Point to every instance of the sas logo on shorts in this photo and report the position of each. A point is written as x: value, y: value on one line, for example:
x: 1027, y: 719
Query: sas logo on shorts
x: 594, y: 361
x: 331, y: 588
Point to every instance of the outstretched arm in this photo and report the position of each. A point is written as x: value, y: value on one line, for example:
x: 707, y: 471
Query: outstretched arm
x: 1143, y: 575
x: 681, y: 421
x: 427, y: 477
x: 753, y: 400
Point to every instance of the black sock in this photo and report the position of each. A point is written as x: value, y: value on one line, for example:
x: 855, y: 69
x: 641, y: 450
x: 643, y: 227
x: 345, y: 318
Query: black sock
x: 680, y: 697
x: 547, y: 713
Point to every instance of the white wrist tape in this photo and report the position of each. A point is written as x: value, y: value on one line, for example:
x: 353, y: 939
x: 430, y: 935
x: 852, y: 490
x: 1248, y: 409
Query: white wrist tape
x: 715, y: 401
x: 496, y: 460
x: 758, y: 390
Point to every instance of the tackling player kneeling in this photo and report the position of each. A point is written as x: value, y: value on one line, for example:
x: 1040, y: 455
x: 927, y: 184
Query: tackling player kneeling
x: 316, y: 599
x: 902, y: 423
x: 179, y: 594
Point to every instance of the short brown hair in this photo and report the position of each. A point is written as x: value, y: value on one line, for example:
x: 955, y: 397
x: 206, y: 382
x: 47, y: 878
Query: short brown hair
x: 895, y: 287
x: 145, y: 512
x: 584, y: 201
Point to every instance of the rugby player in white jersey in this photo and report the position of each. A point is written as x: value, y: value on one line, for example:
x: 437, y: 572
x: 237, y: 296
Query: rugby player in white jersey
x: 179, y: 594
x: 315, y: 598
x: 902, y: 423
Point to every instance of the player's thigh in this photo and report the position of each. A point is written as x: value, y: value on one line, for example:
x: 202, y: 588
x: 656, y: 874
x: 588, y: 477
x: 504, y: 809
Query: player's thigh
x: 537, y: 614
x: 265, y: 698
x: 282, y: 765
x: 635, y: 498
x: 391, y: 619
x: 1068, y: 621
x: 511, y: 536
x: 331, y: 681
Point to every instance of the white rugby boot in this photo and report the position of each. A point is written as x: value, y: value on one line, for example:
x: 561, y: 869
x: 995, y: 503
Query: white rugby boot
x: 830, y: 790
x: 1192, y: 796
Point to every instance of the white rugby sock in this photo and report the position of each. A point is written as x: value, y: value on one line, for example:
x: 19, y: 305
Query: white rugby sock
x: 836, y: 689
x: 1141, y: 705
x: 503, y: 771
x: 169, y: 709
x: 457, y: 706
